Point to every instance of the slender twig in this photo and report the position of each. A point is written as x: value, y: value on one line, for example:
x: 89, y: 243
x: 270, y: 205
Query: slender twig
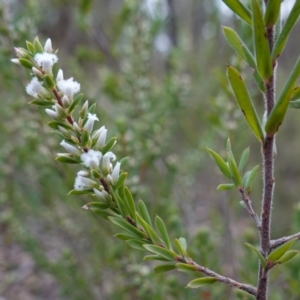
x: 283, y: 240
x: 250, y: 209
x: 268, y: 180
x: 245, y: 287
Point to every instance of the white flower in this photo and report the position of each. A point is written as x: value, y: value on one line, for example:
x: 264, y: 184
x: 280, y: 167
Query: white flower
x: 35, y: 87
x: 115, y: 172
x: 46, y: 61
x: 15, y: 61
x: 68, y: 87
x: 102, y: 132
x: 48, y: 46
x: 106, y: 165
x: 71, y: 149
x: 51, y: 113
x: 90, y: 122
x: 91, y: 159
x: 82, y: 183
x: 59, y: 76
x: 103, y: 195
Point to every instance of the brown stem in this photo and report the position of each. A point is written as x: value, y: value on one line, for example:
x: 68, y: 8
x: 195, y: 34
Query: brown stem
x: 253, y: 215
x: 276, y: 243
x: 245, y: 287
x: 268, y: 181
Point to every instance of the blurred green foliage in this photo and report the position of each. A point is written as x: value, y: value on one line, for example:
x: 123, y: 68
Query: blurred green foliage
x: 158, y: 80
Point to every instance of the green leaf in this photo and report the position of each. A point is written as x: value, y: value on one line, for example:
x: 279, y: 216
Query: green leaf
x: 130, y: 203
x: 102, y: 213
x: 244, y: 159
x: 236, y: 176
x: 109, y: 145
x: 160, y: 225
x: 261, y: 44
x: 275, y: 255
x: 224, y: 168
x: 164, y: 268
x: 75, y: 102
x: 200, y: 282
x: 127, y: 227
x: 295, y: 104
x: 97, y: 205
x: 225, y: 186
x: 238, y: 8
x: 135, y: 244
x: 26, y: 63
x: 249, y: 178
x: 154, y: 257
x: 83, y: 192
x: 150, y: 231
x: 38, y: 48
x: 287, y: 256
x: 49, y: 82
x: 288, y: 26
x: 41, y: 102
x: 85, y: 138
x: 163, y: 252
x: 278, y: 112
x: 180, y: 247
x: 92, y: 108
x: 121, y: 205
x: 55, y: 124
x: 186, y: 267
x: 30, y: 47
x: 68, y: 159
x: 143, y: 211
x: 125, y: 237
x: 120, y: 181
x: 296, y: 93
x: 272, y: 13
x: 244, y: 101
x: 258, y: 253
x: 123, y: 162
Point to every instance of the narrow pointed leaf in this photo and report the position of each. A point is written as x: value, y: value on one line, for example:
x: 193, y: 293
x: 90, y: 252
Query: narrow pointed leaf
x: 75, y: 102
x: 167, y: 254
x: 288, y: 26
x: 199, y: 282
x: 272, y: 13
x: 244, y: 101
x: 68, y: 160
x: 41, y: 102
x: 151, y: 233
x: 280, y: 251
x: 224, y: 168
x: 155, y: 257
x: 129, y: 202
x: 236, y: 175
x: 102, y: 213
x: 238, y: 8
x: 121, y: 205
x: 278, y: 112
x: 160, y: 225
x: 120, y: 181
x: 179, y: 247
x: 295, y: 104
x: 225, y: 186
x: 83, y: 192
x: 261, y: 45
x: 287, y: 256
x: 186, y: 267
x: 125, y: 236
x: 258, y: 253
x: 143, y: 211
x: 135, y: 244
x: 247, y: 182
x: 109, y: 145
x: 244, y: 159
x: 183, y: 243
x: 164, y: 268
x: 127, y: 227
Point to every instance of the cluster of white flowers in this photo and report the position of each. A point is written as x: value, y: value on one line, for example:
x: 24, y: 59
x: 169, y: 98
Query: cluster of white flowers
x: 61, y: 96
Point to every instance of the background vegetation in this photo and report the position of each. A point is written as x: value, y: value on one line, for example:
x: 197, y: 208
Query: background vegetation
x: 157, y: 74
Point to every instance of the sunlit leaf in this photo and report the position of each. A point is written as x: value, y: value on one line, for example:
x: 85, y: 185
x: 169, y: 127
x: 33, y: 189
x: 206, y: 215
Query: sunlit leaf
x: 276, y: 254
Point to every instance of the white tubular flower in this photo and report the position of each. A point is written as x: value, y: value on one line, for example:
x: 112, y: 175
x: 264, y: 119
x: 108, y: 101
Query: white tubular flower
x: 71, y: 149
x: 66, y: 101
x: 68, y: 87
x: 59, y: 76
x: 46, y: 61
x: 83, y: 183
x: 103, y: 195
x: 90, y: 122
x: 51, y: 113
x: 106, y: 165
x: 76, y: 128
x: 115, y: 172
x: 91, y: 159
x: 102, y: 137
x: 48, y: 46
x: 34, y: 88
x: 16, y: 61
